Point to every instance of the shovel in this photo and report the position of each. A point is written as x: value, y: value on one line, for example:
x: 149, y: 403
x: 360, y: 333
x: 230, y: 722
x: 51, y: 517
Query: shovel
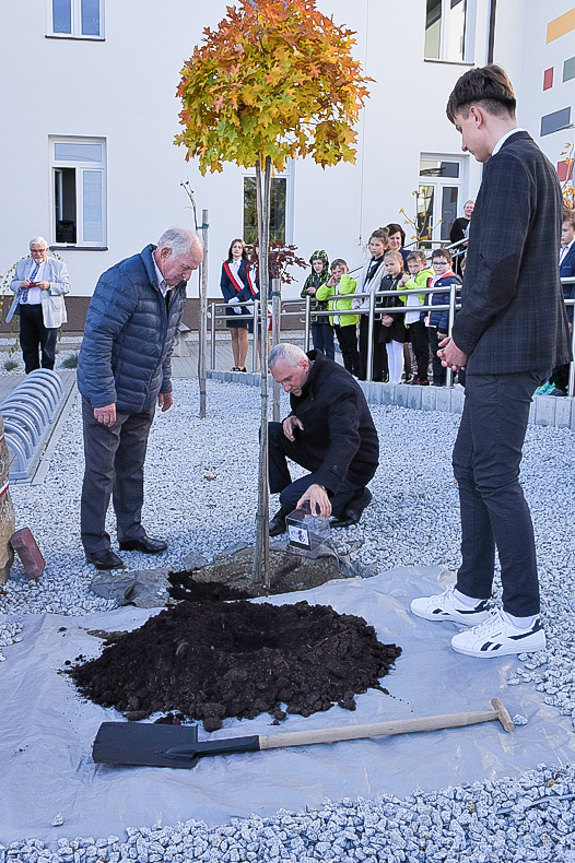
x: 156, y: 745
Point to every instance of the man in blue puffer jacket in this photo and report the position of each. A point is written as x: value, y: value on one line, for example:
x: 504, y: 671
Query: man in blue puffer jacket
x: 124, y: 367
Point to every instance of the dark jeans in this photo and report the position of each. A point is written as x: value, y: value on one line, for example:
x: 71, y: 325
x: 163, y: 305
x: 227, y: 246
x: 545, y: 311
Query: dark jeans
x: 322, y: 335
x: 34, y: 335
x: 379, y: 368
x: 439, y: 372
x: 280, y: 480
x: 347, y: 339
x: 420, y: 345
x: 494, y: 512
x: 114, y: 463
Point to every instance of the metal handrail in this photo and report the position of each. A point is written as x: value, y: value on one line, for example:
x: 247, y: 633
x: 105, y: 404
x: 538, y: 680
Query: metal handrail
x: 372, y: 311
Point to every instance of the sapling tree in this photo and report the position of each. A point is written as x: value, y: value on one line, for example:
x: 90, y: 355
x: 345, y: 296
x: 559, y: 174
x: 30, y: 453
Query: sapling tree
x: 276, y: 80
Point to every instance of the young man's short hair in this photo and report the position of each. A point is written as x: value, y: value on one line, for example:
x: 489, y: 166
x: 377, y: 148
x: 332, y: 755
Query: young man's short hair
x: 417, y: 255
x: 488, y: 87
x: 441, y: 253
x: 339, y: 262
x: 569, y: 217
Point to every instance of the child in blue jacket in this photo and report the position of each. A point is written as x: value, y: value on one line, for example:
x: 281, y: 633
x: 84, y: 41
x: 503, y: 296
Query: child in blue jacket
x: 437, y: 322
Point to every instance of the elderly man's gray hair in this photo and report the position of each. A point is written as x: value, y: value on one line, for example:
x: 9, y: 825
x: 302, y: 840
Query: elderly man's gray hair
x: 290, y: 354
x: 37, y: 241
x: 179, y: 240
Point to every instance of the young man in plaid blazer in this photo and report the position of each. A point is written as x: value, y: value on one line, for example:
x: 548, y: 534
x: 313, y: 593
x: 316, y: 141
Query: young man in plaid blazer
x: 511, y: 331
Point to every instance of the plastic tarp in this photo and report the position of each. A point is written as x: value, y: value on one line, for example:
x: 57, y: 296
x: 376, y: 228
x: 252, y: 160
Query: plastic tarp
x: 47, y: 730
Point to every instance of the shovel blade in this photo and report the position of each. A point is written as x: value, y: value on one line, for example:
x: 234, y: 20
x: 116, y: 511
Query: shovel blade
x: 144, y: 744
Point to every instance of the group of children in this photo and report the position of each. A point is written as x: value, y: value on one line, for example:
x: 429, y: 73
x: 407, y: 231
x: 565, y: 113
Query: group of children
x: 390, y: 268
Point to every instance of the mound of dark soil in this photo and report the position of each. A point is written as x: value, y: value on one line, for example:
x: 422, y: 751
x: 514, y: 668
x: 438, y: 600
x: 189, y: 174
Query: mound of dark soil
x: 211, y: 660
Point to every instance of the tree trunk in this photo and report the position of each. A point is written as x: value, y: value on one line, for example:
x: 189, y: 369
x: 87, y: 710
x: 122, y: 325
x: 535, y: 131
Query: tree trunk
x: 203, y: 317
x: 261, y: 567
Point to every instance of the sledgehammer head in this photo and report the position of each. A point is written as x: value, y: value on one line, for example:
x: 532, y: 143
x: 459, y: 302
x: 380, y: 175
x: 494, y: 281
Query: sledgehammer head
x: 503, y: 715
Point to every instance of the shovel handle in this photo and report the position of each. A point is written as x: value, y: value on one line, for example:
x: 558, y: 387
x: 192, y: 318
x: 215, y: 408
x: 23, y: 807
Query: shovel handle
x: 396, y: 726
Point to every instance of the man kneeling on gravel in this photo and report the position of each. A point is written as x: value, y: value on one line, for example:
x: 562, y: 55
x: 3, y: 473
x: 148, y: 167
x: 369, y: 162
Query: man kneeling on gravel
x: 329, y: 431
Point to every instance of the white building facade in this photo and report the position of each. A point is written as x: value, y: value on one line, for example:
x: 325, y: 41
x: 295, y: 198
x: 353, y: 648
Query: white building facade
x: 89, y: 116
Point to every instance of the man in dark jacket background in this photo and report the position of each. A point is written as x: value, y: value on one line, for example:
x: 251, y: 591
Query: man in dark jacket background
x: 124, y: 368
x: 329, y: 431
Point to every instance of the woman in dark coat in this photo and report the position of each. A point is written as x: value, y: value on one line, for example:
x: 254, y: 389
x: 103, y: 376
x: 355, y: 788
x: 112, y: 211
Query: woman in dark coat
x: 235, y: 279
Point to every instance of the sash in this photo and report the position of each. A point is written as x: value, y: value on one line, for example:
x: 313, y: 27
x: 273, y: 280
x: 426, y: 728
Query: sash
x: 236, y: 281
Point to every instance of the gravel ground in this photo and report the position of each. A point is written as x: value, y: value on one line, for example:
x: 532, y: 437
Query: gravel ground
x: 194, y: 470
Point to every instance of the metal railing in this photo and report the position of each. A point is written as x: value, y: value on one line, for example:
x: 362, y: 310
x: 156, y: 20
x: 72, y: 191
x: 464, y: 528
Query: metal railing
x: 292, y: 308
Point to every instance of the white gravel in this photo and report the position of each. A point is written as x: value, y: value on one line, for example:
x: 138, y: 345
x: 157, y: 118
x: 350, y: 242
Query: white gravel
x: 201, y: 479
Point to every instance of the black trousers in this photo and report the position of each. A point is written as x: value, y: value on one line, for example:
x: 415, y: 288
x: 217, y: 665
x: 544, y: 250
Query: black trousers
x: 280, y: 449
x: 34, y: 335
x: 114, y: 464
x: 347, y: 339
x: 439, y: 372
x: 420, y: 345
x: 494, y: 513
x: 379, y: 360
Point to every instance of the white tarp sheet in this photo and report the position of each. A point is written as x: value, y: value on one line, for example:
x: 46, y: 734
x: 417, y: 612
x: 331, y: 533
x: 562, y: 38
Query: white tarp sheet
x: 46, y: 730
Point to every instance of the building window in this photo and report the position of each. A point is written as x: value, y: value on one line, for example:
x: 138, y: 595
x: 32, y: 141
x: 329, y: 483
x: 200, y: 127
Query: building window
x: 438, y: 198
x: 79, y: 189
x: 278, y: 200
x: 447, y: 31
x: 82, y: 19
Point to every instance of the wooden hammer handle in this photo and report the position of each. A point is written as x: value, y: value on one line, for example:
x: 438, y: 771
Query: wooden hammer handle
x: 396, y: 726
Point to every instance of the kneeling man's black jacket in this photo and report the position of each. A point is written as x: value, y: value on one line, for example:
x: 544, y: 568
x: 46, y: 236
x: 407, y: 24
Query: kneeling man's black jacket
x: 338, y: 429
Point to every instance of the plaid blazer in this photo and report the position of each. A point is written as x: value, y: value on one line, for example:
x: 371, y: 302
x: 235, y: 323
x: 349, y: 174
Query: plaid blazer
x: 512, y: 317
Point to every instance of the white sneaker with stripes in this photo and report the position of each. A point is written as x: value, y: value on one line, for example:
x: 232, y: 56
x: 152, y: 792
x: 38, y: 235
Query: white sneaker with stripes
x: 497, y: 636
x: 446, y: 606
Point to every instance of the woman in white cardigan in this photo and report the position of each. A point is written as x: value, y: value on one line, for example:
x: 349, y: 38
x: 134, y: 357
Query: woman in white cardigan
x: 370, y: 283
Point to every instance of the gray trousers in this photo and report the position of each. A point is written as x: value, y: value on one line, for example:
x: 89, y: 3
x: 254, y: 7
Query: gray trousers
x: 114, y: 465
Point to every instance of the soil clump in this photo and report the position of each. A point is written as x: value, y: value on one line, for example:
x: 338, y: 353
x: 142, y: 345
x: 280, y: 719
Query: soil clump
x: 209, y: 660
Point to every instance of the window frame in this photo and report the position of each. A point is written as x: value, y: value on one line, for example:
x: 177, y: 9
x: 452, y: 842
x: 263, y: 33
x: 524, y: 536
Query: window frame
x: 469, y: 38
x: 440, y: 183
x: 81, y: 167
x: 288, y: 176
x: 76, y: 22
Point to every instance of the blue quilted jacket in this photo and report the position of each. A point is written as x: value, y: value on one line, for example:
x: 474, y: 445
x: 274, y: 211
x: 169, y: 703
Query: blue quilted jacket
x: 126, y: 354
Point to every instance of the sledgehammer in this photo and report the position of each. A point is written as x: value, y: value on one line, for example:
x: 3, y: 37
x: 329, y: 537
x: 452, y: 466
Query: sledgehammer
x: 153, y: 745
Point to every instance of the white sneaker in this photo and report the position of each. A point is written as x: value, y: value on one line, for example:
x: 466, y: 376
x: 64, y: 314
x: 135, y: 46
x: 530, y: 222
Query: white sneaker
x: 498, y: 637
x: 446, y: 606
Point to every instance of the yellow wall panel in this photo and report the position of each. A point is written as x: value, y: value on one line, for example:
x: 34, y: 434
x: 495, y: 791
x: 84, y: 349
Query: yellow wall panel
x: 560, y: 26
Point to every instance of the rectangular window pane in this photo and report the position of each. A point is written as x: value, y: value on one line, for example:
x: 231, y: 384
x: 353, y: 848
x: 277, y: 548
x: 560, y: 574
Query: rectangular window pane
x: 65, y: 204
x: 90, y: 17
x: 70, y: 152
x: 433, y: 30
x: 250, y: 211
x: 448, y: 210
x: 439, y: 168
x: 92, y: 206
x: 277, y: 210
x: 425, y: 203
x: 62, y: 16
x: 456, y: 30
